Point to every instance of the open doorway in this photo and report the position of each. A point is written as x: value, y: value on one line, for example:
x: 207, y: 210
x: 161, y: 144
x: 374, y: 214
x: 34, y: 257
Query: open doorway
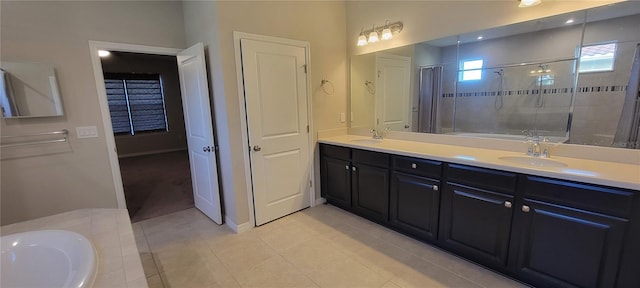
x: 145, y: 106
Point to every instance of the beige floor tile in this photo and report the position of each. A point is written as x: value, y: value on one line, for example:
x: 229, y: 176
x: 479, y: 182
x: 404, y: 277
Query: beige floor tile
x: 155, y: 281
x: 314, y: 254
x: 275, y: 272
x: 427, y: 274
x: 321, y: 246
x: 346, y: 273
x: 246, y: 257
x: 285, y: 237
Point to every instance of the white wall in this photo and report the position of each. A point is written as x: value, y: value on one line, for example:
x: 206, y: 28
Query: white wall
x: 79, y: 175
x: 318, y: 22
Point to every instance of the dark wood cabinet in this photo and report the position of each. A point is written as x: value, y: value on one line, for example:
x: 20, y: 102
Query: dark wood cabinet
x: 476, y: 223
x: 477, y: 209
x: 546, y: 232
x: 335, y: 175
x: 565, y: 247
x: 370, y: 185
x: 414, y: 205
x: 414, y: 202
x: 570, y: 234
x: 336, y: 181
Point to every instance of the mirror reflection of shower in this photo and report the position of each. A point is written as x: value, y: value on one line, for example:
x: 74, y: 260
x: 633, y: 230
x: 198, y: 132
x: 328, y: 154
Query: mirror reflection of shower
x: 499, y: 100
x: 543, y: 78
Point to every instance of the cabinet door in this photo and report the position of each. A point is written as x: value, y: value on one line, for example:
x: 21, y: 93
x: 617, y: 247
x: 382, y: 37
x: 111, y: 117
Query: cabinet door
x: 370, y: 192
x: 414, y: 205
x: 336, y: 182
x: 476, y: 223
x: 566, y: 247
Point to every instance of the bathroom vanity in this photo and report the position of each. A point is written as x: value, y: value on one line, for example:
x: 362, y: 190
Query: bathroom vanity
x: 563, y: 223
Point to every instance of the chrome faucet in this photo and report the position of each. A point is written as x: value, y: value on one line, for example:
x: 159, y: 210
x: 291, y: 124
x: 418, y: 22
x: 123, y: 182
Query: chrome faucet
x: 377, y: 134
x: 535, y: 147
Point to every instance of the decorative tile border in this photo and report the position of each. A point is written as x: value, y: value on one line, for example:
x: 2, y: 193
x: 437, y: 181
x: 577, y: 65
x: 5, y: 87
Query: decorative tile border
x: 585, y: 89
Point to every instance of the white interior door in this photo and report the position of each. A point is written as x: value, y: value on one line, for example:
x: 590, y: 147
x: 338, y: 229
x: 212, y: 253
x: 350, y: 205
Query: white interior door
x: 197, y: 118
x: 275, y: 86
x: 393, y: 96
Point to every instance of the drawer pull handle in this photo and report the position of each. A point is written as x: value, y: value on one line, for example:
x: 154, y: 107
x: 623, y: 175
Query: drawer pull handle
x: 414, y: 165
x: 526, y: 209
x: 507, y: 204
x: 346, y: 167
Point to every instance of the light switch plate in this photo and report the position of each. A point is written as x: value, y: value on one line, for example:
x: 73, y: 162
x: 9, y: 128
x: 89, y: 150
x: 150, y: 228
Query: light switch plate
x: 87, y: 132
x: 343, y: 117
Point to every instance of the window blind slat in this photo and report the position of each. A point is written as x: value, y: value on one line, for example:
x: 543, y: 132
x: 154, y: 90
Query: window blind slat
x: 145, y: 110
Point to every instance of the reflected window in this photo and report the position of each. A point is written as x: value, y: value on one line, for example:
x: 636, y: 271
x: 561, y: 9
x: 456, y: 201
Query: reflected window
x: 597, y: 58
x: 136, y: 103
x: 471, y: 70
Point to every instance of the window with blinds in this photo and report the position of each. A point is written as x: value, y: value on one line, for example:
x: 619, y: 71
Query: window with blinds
x: 136, y: 103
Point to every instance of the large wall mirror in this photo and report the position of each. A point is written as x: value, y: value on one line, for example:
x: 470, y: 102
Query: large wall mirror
x: 572, y: 78
x: 29, y: 90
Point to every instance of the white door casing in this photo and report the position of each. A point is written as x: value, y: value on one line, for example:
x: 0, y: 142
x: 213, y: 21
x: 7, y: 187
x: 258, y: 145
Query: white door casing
x: 199, y: 130
x: 275, y: 87
x: 393, y: 93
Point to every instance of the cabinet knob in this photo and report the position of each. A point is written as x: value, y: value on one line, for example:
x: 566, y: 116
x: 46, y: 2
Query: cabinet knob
x: 414, y: 165
x: 507, y: 204
x: 346, y: 167
x: 434, y: 187
x: 526, y: 208
x: 353, y: 168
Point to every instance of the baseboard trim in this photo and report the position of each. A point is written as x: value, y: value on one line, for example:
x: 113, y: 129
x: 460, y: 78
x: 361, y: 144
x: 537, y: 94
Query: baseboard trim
x: 246, y: 226
x: 319, y: 201
x: 150, y: 152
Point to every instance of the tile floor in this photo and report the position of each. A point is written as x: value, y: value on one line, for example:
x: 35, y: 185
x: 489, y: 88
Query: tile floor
x: 321, y: 246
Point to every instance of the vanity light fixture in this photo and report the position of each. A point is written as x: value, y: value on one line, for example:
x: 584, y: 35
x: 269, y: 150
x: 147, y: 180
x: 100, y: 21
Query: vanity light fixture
x: 373, y: 35
x: 103, y: 53
x: 569, y: 21
x: 529, y: 3
x: 379, y: 33
x: 386, y: 33
x: 362, y: 40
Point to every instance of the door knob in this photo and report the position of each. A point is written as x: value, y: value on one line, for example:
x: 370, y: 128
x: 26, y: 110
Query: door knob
x: 206, y: 149
x: 406, y: 126
x: 256, y: 148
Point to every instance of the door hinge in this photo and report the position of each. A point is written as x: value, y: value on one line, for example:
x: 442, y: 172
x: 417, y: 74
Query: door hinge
x: 307, y: 128
x: 310, y: 183
x: 305, y: 68
x: 379, y: 73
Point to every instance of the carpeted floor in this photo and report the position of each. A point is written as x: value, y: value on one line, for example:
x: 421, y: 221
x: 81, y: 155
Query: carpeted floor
x: 156, y: 185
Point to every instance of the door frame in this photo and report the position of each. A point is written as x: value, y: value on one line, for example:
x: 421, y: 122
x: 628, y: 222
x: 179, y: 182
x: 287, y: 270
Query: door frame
x: 94, y: 46
x: 237, y: 36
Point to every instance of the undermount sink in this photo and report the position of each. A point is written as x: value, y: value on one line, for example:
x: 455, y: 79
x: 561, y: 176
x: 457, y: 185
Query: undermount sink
x: 533, y: 161
x: 47, y: 258
x: 367, y: 141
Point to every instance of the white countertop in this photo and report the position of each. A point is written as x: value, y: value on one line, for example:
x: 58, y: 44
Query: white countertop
x: 110, y: 233
x: 588, y: 171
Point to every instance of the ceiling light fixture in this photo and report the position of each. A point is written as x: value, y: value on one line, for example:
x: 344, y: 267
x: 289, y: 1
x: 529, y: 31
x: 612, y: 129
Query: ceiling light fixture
x: 376, y: 34
x: 529, y: 3
x: 480, y: 38
x: 569, y: 21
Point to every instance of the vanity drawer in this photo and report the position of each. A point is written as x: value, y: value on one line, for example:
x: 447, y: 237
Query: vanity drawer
x: 499, y: 181
x: 371, y: 158
x: 600, y: 199
x: 337, y: 152
x: 417, y: 166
